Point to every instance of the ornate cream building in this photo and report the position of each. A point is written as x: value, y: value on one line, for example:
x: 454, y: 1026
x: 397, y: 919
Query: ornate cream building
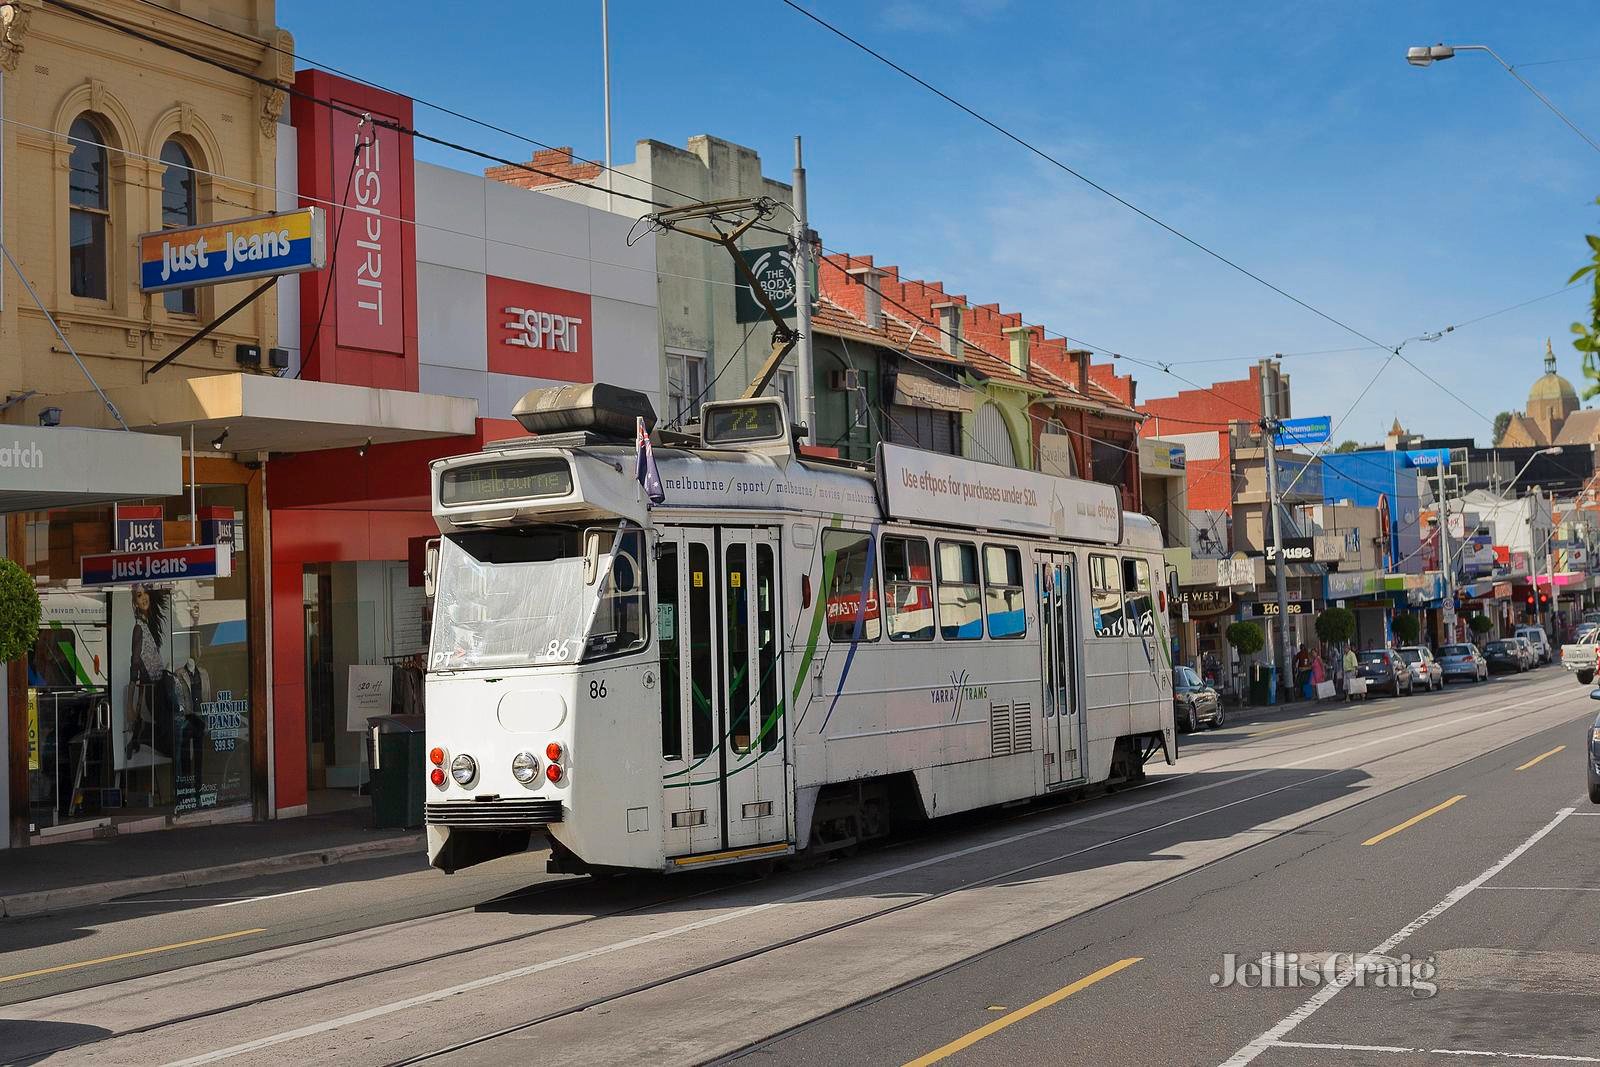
x: 1553, y: 415
x: 107, y: 136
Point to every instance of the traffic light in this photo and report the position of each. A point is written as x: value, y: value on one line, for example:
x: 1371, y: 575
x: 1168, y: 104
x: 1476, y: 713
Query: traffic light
x: 1530, y: 600
x: 1544, y: 599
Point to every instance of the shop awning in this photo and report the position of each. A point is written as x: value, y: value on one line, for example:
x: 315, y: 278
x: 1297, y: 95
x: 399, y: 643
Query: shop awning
x: 265, y: 413
x: 44, y: 467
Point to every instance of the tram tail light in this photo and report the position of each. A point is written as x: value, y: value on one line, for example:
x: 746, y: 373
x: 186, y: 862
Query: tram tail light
x: 552, y: 751
x: 552, y: 771
x: 436, y: 756
x: 437, y: 777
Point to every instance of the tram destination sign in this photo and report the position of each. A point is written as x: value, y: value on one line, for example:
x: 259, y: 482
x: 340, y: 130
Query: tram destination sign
x: 511, y: 479
x: 931, y: 487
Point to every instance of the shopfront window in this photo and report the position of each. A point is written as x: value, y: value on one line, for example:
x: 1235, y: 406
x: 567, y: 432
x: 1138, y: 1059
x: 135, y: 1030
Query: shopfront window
x: 138, y: 695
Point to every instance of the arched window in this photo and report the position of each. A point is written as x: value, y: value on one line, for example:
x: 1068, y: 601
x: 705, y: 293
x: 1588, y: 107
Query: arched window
x: 178, y: 208
x: 991, y: 439
x: 89, y: 203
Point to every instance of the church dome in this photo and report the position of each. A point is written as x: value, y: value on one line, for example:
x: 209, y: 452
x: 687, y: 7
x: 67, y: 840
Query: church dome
x: 1552, y: 388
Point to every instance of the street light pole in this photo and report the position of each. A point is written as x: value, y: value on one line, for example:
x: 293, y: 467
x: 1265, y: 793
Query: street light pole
x: 1427, y: 55
x: 1444, y: 556
x: 1269, y: 440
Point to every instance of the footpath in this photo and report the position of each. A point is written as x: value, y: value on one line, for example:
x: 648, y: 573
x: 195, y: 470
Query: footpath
x: 53, y: 877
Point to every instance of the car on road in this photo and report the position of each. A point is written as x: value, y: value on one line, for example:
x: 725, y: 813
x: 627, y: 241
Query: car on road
x: 1584, y: 630
x: 1425, y: 670
x: 1194, y: 703
x: 1530, y: 656
x: 1540, y: 642
x: 1592, y: 762
x: 1579, y: 658
x: 1463, y: 661
x: 1505, y: 656
x: 1385, y: 670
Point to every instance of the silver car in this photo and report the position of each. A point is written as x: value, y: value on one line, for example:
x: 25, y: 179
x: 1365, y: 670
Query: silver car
x: 1425, y: 670
x: 1463, y: 661
x: 1540, y: 642
x: 1530, y: 655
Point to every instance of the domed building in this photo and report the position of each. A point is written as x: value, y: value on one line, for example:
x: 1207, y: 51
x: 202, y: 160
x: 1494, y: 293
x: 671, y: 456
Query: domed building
x: 1552, y: 416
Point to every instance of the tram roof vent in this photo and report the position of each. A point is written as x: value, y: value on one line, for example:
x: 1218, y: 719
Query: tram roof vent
x: 607, y: 411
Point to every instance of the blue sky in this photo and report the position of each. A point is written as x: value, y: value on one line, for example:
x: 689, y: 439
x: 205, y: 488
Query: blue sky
x: 1294, y: 139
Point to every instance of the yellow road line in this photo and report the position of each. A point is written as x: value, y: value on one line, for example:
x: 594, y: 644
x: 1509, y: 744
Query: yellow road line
x: 1001, y: 1023
x: 1546, y: 755
x: 131, y: 955
x: 1436, y: 809
x: 1276, y: 729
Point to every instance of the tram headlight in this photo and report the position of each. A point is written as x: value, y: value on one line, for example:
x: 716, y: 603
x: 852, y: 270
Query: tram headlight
x: 463, y: 769
x: 525, y: 767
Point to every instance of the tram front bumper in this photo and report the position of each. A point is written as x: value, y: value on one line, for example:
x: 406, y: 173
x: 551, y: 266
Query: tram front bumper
x: 463, y: 833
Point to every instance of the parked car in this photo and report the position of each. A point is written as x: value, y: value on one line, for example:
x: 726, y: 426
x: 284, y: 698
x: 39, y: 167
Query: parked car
x: 1579, y: 658
x: 1593, y: 760
x: 1505, y: 656
x: 1530, y: 658
x: 1540, y: 642
x: 1193, y: 701
x: 1425, y: 670
x: 1385, y: 670
x: 1584, y: 630
x: 1463, y: 661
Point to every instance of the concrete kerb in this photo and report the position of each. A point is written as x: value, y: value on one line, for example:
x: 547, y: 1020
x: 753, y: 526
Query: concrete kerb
x: 45, y: 901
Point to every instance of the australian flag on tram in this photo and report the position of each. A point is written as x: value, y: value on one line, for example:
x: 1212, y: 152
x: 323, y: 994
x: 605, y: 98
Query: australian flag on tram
x: 645, y: 463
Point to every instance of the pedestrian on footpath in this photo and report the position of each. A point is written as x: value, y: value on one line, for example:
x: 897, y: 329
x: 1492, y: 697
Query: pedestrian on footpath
x: 1302, y: 670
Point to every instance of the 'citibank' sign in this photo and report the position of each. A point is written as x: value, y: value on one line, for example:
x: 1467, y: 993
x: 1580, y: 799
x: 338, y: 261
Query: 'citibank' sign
x: 537, y: 331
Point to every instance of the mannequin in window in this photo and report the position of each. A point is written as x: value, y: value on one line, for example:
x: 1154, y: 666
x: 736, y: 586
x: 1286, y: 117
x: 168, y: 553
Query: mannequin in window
x: 193, y: 686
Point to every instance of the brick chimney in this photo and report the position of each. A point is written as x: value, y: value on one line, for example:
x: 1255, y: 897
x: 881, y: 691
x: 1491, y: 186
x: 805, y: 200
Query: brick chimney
x: 1018, y: 339
x: 947, y: 314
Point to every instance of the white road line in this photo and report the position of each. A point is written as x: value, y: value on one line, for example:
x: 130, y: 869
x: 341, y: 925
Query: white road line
x: 1328, y: 1046
x: 1548, y: 888
x: 1408, y: 733
x: 1284, y: 1026
x: 270, y: 896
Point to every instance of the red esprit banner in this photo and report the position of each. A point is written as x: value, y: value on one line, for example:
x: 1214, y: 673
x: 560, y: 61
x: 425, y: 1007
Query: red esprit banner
x: 537, y: 331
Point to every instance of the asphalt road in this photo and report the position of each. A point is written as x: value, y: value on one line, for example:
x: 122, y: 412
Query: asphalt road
x: 1082, y: 933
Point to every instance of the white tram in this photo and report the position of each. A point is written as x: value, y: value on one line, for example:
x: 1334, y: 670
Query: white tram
x: 785, y: 654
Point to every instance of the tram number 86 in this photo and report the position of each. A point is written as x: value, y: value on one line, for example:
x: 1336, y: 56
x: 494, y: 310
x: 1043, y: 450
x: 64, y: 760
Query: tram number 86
x: 597, y: 690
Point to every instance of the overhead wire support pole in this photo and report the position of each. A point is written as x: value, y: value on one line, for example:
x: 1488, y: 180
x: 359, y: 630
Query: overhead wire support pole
x: 802, y: 296
x: 26, y: 284
x: 1269, y: 441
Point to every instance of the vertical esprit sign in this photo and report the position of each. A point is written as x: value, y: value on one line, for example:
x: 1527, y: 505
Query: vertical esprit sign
x: 368, y: 267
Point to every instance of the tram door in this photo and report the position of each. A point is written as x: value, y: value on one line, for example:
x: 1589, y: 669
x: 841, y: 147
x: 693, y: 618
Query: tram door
x: 1061, y: 709
x: 722, y: 688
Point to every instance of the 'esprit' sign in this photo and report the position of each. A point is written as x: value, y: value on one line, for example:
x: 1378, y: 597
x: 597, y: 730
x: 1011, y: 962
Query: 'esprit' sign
x: 537, y: 331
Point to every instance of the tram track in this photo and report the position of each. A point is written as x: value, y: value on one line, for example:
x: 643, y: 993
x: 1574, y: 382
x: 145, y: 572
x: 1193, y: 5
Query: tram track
x: 1163, y: 795
x: 692, y: 972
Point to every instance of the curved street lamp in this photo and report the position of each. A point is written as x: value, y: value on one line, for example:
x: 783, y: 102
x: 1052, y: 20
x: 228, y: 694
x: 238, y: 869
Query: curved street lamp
x: 1427, y: 55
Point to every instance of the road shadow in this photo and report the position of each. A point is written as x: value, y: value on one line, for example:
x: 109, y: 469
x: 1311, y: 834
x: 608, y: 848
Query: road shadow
x: 28, y: 1041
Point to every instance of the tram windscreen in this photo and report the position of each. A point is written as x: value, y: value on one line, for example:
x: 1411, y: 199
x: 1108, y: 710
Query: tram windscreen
x: 533, y: 596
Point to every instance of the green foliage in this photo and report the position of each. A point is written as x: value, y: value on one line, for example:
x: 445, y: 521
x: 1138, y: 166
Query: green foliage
x: 1480, y: 624
x: 1246, y: 638
x: 1349, y: 446
x: 1501, y: 421
x: 1588, y: 336
x: 1407, y: 628
x: 19, y: 612
x: 1335, y: 626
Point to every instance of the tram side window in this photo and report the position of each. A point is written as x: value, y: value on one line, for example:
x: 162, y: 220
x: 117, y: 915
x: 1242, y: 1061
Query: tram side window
x: 736, y: 604
x: 771, y: 684
x: 700, y: 665
x: 908, y: 583
x: 1002, y: 591
x: 1105, y: 595
x: 852, y: 587
x: 667, y: 629
x: 1140, y: 603
x: 960, y: 601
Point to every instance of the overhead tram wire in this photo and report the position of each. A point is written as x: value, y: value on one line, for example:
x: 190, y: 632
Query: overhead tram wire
x: 441, y: 108
x: 1053, y: 161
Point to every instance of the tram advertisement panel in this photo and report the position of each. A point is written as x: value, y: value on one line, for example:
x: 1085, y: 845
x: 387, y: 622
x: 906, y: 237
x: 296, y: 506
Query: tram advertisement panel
x: 922, y: 486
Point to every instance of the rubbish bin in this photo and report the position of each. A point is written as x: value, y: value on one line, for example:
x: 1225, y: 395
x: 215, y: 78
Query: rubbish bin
x: 1260, y: 686
x: 395, y: 754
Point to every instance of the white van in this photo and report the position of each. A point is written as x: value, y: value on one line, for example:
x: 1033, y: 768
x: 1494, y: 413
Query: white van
x: 1539, y: 640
